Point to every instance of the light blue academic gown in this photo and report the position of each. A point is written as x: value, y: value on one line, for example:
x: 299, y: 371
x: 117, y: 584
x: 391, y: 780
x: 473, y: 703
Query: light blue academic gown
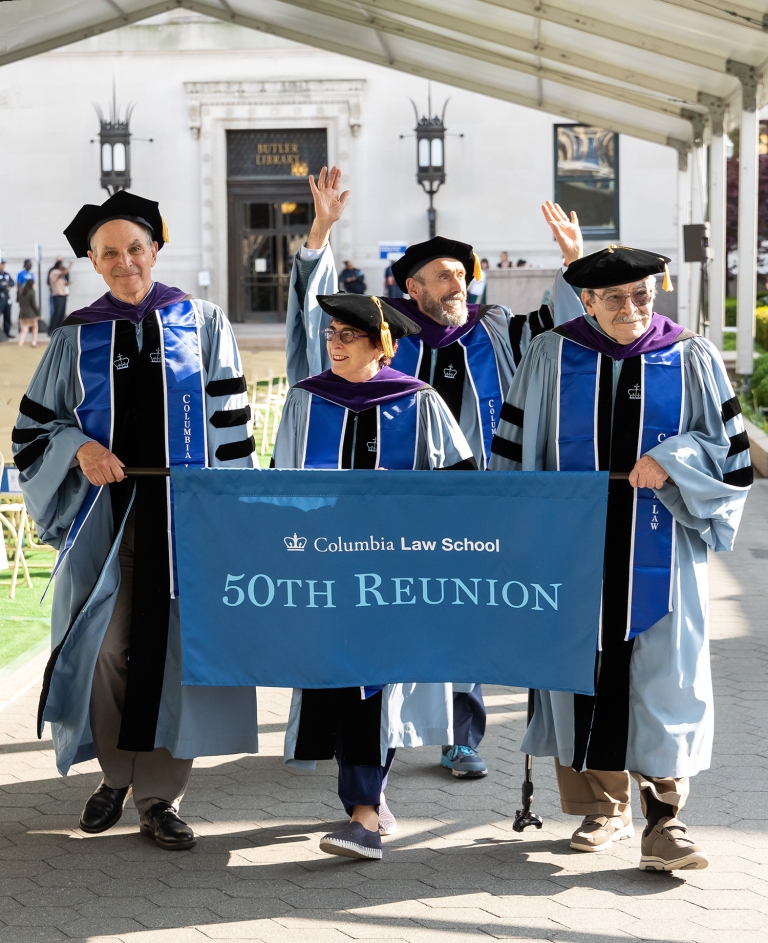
x: 671, y: 714
x: 193, y: 721
x: 412, y: 715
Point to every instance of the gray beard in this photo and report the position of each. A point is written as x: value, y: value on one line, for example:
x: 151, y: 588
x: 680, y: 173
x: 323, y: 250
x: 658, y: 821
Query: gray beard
x: 443, y: 314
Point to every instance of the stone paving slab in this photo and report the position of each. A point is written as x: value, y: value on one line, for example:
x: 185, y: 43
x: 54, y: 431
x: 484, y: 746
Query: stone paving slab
x: 455, y: 871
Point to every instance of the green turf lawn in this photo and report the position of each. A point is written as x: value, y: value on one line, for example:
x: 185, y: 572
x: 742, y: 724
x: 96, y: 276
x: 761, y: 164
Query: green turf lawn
x: 24, y: 623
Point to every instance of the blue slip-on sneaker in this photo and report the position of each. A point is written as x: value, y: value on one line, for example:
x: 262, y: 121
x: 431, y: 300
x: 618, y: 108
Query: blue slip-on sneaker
x: 387, y: 821
x: 355, y: 841
x: 463, y: 762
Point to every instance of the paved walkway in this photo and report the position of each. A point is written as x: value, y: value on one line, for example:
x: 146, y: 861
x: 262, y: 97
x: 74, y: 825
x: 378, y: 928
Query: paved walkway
x: 455, y: 871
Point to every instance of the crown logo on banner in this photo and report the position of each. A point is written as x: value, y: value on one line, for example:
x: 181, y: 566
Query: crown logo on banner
x: 372, y: 445
x: 122, y: 362
x: 295, y: 542
x: 155, y: 356
x: 450, y: 372
x: 634, y: 393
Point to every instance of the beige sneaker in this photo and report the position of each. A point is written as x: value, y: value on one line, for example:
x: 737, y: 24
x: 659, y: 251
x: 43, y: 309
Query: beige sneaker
x: 598, y: 832
x: 667, y: 847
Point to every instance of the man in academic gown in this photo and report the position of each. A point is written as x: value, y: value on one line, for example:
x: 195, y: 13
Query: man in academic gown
x: 620, y: 388
x: 465, y: 352
x: 362, y: 414
x: 146, y: 377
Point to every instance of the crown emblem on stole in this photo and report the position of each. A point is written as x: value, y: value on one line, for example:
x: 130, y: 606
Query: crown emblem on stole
x: 372, y: 445
x: 155, y: 356
x: 295, y: 542
x: 122, y: 362
x: 450, y: 372
x: 634, y: 392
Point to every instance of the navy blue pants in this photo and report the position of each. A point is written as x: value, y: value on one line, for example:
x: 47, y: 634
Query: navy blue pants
x: 361, y: 785
x: 469, y: 717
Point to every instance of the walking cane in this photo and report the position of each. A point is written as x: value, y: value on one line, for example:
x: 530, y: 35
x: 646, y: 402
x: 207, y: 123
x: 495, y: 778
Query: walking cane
x: 524, y: 817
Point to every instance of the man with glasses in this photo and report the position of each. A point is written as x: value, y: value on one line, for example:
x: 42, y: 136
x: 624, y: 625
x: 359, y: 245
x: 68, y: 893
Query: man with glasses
x: 619, y: 388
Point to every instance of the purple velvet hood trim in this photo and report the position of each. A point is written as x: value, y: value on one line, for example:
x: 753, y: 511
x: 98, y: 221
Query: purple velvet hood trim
x: 109, y: 308
x: 432, y: 333
x: 662, y: 332
x: 387, y: 385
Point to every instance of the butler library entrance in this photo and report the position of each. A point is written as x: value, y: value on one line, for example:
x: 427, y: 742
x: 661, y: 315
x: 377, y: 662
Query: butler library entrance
x: 270, y: 213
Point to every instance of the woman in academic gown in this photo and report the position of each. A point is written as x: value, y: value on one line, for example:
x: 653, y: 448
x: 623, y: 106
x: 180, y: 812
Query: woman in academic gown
x: 363, y: 414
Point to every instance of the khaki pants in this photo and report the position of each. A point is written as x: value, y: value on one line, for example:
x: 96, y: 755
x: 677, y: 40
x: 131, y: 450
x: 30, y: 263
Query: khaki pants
x: 605, y: 792
x: 155, y: 776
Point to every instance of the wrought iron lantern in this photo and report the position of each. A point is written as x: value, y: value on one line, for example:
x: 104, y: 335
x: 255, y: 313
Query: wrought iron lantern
x: 115, y: 147
x: 430, y: 156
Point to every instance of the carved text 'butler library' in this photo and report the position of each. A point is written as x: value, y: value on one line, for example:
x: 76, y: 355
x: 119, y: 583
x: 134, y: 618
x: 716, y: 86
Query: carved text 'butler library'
x: 288, y: 152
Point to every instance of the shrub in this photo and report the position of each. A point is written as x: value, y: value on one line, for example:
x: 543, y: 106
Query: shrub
x: 761, y: 370
x: 730, y: 312
x: 761, y: 330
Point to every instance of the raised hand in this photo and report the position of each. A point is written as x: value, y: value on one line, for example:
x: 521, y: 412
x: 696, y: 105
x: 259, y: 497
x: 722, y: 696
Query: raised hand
x: 566, y: 231
x: 329, y: 205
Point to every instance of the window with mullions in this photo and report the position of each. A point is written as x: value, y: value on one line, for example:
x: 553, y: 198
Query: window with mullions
x: 587, y: 177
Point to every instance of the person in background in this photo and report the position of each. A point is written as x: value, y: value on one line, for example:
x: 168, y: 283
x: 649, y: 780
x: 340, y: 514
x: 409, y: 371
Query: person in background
x: 29, y: 312
x: 521, y: 263
x: 391, y: 288
x: 478, y: 288
x: 58, y: 282
x: 6, y: 284
x: 351, y: 279
x: 504, y: 261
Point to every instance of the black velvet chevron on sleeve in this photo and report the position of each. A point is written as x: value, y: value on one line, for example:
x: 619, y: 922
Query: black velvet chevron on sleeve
x: 225, y: 418
x: 513, y: 451
x: 516, y: 325
x: 730, y: 408
x: 36, y: 411
x: 20, y: 436
x: 740, y: 478
x: 512, y: 414
x: 228, y: 387
x: 229, y: 451
x: 739, y: 443
x: 541, y: 321
x: 29, y: 455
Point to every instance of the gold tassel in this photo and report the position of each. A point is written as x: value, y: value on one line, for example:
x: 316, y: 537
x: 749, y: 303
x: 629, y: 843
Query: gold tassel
x: 384, y: 332
x: 165, y: 231
x: 477, y: 271
x: 667, y: 283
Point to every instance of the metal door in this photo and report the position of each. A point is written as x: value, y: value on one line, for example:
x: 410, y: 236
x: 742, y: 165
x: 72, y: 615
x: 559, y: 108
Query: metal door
x: 267, y: 228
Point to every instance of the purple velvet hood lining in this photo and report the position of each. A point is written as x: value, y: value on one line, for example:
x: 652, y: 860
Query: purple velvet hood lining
x: 387, y: 385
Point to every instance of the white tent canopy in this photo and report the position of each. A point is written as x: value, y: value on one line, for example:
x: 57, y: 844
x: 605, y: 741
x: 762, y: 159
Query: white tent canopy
x: 667, y: 71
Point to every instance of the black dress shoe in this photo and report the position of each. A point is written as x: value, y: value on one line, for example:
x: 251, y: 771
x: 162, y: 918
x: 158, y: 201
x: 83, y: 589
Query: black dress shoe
x: 103, y: 809
x: 161, y: 823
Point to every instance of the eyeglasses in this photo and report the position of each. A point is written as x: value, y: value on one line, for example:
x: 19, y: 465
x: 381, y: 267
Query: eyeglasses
x: 616, y: 300
x: 346, y: 336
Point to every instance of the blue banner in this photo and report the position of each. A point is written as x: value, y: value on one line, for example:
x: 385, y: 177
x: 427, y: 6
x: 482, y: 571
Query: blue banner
x: 318, y: 579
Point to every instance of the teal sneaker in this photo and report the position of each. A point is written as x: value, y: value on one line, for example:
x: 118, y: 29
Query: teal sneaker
x: 463, y: 761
